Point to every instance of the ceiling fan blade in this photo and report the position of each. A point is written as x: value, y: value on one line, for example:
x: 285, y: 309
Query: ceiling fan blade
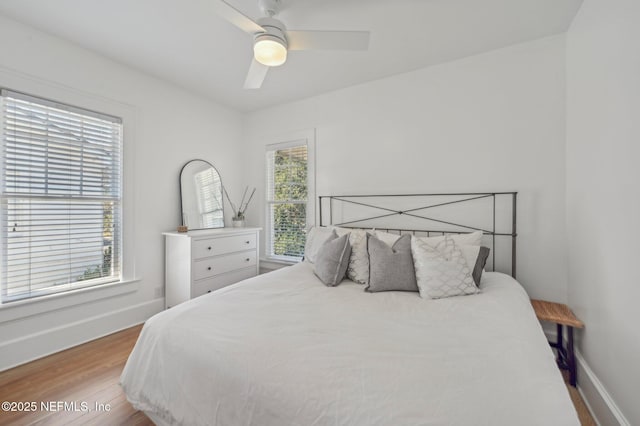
x: 328, y: 40
x: 236, y: 17
x: 255, y: 76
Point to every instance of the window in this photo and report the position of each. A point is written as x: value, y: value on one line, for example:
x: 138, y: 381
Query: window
x: 61, y: 197
x: 290, y: 198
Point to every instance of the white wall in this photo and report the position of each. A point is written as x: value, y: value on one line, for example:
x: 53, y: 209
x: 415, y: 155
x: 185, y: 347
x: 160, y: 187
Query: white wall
x: 603, y: 192
x: 165, y: 126
x: 492, y: 122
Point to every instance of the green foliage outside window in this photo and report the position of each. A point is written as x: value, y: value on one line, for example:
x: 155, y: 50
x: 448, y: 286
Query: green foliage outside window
x: 289, y: 215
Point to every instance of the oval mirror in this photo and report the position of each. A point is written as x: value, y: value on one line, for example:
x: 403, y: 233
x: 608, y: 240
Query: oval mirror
x: 201, y: 196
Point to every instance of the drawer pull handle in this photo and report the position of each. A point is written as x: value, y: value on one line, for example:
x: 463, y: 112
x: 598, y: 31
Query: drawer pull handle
x: 247, y: 259
x: 247, y: 242
x: 208, y: 291
x: 209, y: 268
x: 209, y: 248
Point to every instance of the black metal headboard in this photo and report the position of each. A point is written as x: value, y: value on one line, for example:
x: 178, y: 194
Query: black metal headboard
x: 493, y: 213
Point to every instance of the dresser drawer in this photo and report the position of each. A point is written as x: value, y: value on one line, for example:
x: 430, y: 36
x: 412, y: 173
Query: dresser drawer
x: 212, y: 284
x: 222, y: 245
x: 209, y: 267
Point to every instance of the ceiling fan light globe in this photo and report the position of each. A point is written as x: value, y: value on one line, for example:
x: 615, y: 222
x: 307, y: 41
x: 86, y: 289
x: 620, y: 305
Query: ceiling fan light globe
x: 270, y: 52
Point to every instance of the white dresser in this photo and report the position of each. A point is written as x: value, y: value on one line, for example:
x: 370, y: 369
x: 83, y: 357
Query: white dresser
x: 199, y: 262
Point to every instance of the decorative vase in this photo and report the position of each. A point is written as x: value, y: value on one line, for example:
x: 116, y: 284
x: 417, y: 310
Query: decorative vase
x: 238, y: 223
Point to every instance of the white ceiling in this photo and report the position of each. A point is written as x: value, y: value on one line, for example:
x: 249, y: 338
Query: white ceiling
x: 186, y: 43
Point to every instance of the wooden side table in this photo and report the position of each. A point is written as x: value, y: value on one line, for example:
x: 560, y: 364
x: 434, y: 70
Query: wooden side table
x: 561, y: 315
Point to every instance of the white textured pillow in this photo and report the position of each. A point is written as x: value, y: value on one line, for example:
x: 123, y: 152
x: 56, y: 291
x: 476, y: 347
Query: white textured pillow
x: 316, y: 237
x: 469, y: 239
x: 358, y: 270
x: 441, y: 269
x: 468, y: 243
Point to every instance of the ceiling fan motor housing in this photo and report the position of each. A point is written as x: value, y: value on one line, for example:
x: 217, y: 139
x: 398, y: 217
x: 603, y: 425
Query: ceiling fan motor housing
x: 270, y: 46
x: 274, y: 30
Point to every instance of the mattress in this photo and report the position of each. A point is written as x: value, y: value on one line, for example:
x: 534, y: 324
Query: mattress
x: 283, y: 349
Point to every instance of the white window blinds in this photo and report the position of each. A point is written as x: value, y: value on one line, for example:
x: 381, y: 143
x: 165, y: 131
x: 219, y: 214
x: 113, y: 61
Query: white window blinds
x: 61, y: 197
x: 287, y: 197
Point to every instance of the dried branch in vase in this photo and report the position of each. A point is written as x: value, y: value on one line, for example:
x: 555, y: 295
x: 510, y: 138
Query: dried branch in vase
x: 238, y: 212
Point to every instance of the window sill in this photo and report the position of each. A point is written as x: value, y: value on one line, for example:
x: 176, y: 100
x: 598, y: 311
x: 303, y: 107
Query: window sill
x: 271, y: 264
x: 279, y: 261
x: 25, y: 308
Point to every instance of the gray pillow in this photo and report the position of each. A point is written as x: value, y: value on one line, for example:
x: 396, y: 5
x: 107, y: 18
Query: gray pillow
x: 391, y: 268
x: 332, y: 259
x: 481, y: 260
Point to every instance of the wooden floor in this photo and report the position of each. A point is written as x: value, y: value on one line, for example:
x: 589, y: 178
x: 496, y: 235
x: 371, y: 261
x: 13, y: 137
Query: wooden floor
x: 583, y: 412
x: 89, y: 373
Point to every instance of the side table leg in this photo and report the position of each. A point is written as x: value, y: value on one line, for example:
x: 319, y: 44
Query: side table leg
x: 561, y: 358
x: 559, y: 342
x: 571, y: 358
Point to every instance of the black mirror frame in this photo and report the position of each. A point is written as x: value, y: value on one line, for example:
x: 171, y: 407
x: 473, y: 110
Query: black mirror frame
x: 180, y: 191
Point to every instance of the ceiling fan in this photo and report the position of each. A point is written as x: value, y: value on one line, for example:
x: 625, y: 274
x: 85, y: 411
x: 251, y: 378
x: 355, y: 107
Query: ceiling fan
x: 272, y: 41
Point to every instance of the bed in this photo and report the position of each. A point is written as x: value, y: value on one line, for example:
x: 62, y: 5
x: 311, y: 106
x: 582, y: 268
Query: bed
x: 284, y: 349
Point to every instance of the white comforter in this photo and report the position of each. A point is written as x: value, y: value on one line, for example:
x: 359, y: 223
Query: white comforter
x: 283, y: 349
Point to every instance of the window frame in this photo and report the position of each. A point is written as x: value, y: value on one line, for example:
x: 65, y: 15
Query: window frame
x: 305, y: 137
x: 126, y: 282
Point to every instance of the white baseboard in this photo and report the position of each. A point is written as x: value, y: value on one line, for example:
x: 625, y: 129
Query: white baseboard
x: 602, y: 406
x: 598, y: 400
x: 37, y: 345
